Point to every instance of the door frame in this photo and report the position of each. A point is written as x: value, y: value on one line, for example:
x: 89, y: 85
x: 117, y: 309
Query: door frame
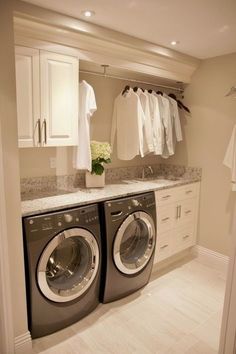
x: 228, y: 326
x: 6, y: 323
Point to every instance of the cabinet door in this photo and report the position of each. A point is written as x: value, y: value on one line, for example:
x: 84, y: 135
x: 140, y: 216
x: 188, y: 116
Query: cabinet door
x: 185, y: 211
x: 27, y: 94
x: 59, y: 99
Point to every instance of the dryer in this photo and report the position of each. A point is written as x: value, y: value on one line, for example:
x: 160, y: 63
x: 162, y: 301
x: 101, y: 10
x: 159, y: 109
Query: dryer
x: 129, y: 231
x: 63, y: 266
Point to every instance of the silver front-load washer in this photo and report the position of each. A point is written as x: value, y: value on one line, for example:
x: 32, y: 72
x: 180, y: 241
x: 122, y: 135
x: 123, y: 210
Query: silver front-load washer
x: 63, y: 262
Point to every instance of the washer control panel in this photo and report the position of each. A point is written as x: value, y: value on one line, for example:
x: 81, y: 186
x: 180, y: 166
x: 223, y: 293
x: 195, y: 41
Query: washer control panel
x: 78, y: 217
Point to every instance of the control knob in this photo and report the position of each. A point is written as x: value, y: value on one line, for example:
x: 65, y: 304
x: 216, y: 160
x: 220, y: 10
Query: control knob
x: 68, y: 217
x: 135, y: 202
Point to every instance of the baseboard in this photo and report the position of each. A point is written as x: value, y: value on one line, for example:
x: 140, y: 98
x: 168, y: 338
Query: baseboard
x: 23, y: 344
x: 211, y: 258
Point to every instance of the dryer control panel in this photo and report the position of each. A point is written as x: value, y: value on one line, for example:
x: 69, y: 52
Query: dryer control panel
x: 120, y: 207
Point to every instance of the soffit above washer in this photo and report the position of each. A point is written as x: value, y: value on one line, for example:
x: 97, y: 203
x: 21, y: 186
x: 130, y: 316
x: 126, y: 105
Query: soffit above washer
x: 204, y: 28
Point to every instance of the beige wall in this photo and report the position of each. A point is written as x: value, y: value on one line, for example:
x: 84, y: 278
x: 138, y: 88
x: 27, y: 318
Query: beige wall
x: 207, y: 133
x: 10, y: 163
x: 35, y: 161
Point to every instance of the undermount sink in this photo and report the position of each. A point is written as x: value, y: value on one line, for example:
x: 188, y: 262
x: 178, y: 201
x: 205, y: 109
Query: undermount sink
x: 158, y: 179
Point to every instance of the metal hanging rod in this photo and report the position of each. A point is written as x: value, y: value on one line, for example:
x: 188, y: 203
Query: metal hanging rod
x: 105, y: 75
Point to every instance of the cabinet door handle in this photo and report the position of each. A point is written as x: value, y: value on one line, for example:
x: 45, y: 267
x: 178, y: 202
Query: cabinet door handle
x: 180, y: 210
x: 165, y: 219
x: 186, y: 236
x: 188, y: 211
x: 166, y: 196
x: 162, y: 247
x: 177, y: 212
x: 39, y: 132
x: 45, y: 131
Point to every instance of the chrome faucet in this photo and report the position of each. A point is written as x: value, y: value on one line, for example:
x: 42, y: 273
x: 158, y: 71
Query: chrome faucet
x: 147, y: 168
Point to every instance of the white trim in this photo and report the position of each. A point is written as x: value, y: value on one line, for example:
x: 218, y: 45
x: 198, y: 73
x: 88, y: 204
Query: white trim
x: 211, y: 258
x: 23, y: 343
x: 6, y: 323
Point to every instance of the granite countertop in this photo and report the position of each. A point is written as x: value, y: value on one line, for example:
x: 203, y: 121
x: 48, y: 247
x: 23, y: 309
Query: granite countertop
x: 61, y: 199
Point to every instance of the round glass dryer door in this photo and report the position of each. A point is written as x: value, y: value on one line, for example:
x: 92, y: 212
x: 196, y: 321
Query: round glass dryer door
x: 68, y: 265
x: 134, y: 243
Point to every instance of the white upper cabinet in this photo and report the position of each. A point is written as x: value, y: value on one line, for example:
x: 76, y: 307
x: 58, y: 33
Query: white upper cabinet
x: 59, y: 99
x: 27, y: 92
x: 47, y: 98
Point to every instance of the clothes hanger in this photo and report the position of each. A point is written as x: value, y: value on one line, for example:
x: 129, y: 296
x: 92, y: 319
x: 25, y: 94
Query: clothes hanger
x: 135, y: 89
x: 180, y: 104
x: 149, y: 91
x: 160, y: 93
x: 126, y: 89
x: 231, y: 92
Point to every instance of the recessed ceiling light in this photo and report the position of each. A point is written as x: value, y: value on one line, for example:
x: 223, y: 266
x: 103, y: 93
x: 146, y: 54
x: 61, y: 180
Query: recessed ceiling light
x: 88, y: 13
x: 174, y: 42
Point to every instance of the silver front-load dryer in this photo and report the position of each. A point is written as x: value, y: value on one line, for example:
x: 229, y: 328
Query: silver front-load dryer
x: 129, y: 228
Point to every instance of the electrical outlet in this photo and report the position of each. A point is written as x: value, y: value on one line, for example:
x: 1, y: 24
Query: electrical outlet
x: 53, y: 162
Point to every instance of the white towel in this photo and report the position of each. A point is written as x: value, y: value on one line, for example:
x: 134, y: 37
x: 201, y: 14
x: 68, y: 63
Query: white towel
x: 230, y: 158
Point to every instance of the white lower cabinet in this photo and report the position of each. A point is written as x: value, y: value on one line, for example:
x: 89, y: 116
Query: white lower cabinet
x: 177, y: 213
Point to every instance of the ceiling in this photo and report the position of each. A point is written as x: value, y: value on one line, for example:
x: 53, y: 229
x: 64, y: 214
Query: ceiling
x: 204, y: 28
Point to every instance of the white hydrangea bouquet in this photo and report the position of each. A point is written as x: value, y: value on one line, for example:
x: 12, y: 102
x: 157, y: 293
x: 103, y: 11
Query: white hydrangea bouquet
x: 100, y: 153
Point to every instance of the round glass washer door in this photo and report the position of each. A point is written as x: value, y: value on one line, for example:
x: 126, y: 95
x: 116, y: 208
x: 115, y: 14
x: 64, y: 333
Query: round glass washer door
x: 134, y: 243
x: 68, y: 265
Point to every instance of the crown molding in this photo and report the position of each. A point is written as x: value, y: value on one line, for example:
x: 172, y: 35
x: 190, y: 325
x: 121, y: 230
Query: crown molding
x: 95, y: 42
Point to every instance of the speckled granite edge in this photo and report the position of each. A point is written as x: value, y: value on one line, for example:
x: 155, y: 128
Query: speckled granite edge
x: 68, y: 182
x: 88, y: 196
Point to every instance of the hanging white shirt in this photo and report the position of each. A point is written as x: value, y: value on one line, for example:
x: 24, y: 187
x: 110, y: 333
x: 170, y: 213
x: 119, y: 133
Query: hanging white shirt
x: 87, y: 106
x: 230, y: 158
x: 127, y: 123
x: 174, y: 110
x: 148, y: 135
x: 167, y: 147
x: 157, y: 126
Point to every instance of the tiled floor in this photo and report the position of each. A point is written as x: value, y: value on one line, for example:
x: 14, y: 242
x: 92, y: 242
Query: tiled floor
x: 178, y: 312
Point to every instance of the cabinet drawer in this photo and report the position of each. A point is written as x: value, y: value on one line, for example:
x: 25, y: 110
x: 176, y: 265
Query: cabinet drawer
x: 166, y: 196
x: 165, y: 218
x: 188, y: 191
x: 163, y: 247
x: 183, y: 238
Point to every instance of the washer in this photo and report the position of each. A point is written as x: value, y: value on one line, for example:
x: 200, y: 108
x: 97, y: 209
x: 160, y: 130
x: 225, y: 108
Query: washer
x: 63, y: 267
x: 129, y: 227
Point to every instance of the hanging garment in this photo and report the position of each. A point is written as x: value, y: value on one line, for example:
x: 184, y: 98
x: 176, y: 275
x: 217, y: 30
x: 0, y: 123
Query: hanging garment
x: 165, y: 111
x: 147, y: 133
x: 176, y: 126
x: 157, y: 126
x: 87, y: 106
x: 230, y: 158
x: 127, y: 123
x: 177, y: 131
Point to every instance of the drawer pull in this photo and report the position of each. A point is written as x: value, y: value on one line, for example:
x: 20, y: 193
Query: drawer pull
x: 189, y: 191
x: 165, y: 219
x: 186, y: 236
x: 166, y: 196
x: 162, y: 247
x: 188, y: 211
